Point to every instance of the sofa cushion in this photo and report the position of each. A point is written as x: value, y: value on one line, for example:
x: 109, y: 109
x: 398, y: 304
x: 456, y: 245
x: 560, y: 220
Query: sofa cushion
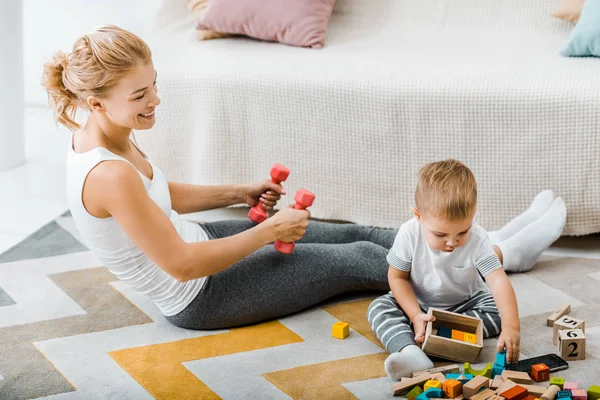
x: 198, y: 7
x: 569, y: 10
x: 295, y: 22
x: 584, y: 41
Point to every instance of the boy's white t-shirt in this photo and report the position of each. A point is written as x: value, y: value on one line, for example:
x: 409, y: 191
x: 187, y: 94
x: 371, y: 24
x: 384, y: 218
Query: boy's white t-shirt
x: 442, y: 279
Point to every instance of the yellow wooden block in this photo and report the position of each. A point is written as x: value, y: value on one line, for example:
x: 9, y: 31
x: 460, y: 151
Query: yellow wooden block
x: 340, y: 330
x: 458, y: 335
x: 432, y: 384
x: 470, y: 337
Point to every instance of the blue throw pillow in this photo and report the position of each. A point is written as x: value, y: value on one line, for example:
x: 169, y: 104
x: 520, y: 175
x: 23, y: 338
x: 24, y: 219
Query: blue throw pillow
x: 585, y: 37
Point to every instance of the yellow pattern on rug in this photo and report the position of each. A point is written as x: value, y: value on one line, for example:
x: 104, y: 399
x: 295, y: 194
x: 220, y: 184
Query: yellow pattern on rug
x: 159, y: 370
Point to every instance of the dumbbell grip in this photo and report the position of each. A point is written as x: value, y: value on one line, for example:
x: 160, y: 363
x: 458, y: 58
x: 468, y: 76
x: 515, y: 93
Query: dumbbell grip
x: 288, y: 247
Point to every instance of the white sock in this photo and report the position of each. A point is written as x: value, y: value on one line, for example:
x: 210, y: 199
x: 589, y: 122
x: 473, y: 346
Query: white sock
x: 403, y: 363
x: 540, y: 204
x: 520, y: 252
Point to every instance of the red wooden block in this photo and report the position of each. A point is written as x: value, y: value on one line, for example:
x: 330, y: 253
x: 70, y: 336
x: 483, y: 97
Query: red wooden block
x: 515, y: 393
x: 540, y: 372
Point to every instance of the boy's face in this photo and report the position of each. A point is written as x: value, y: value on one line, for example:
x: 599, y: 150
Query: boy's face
x: 444, y: 235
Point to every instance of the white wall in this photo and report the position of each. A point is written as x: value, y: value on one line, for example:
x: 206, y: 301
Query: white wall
x: 51, y: 25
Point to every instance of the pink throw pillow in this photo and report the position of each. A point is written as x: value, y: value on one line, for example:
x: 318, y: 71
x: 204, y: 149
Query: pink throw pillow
x: 295, y: 22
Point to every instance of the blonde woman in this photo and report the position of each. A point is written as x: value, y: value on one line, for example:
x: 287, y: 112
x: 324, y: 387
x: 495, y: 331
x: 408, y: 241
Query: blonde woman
x: 213, y: 275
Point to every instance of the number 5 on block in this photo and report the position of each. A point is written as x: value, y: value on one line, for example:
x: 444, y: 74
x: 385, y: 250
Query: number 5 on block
x: 571, y: 344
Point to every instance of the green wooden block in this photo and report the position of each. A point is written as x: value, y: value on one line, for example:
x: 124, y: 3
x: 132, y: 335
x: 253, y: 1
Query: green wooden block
x: 415, y: 392
x: 593, y: 392
x: 560, y: 382
x: 487, y: 371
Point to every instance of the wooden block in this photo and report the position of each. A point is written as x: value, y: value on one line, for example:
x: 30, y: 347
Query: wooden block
x: 557, y: 314
x: 557, y: 381
x: 537, y: 391
x: 550, y: 393
x: 458, y: 335
x: 451, y: 349
x: 579, y: 394
x: 484, y: 395
x: 516, y: 376
x: 438, y: 376
x: 570, y: 386
x: 453, y: 368
x: 470, y: 337
x: 571, y: 344
x: 404, y: 386
x: 445, y: 332
x: 430, y: 394
x: 432, y: 384
x: 563, y: 394
x: 472, y: 387
x: 506, y: 386
x: 540, y: 372
x: 529, y: 397
x: 515, y: 393
x: 593, y: 392
x: 487, y: 371
x: 496, y: 397
x: 452, y: 388
x: 340, y: 330
x: 414, y: 393
x: 497, y: 382
x: 566, y: 322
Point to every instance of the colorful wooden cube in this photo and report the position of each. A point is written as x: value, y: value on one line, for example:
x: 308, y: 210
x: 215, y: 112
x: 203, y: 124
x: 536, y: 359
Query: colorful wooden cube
x: 470, y: 337
x: 452, y: 388
x: 515, y: 393
x: 579, y: 394
x: 340, y: 330
x: 570, y: 386
x: 444, y: 332
x: 432, y: 384
x: 557, y: 381
x: 563, y: 394
x: 566, y: 322
x: 458, y: 335
x: 571, y: 344
x: 476, y: 384
x: 540, y: 372
x: 593, y: 392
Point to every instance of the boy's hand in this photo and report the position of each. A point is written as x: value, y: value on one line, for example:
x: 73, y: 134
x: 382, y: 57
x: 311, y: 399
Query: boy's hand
x: 510, y: 339
x: 419, y: 322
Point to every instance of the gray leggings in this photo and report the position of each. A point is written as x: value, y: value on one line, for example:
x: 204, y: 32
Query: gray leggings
x: 329, y: 260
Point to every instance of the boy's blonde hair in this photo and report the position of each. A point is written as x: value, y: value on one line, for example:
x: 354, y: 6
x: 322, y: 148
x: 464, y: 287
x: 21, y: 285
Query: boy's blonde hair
x: 96, y: 64
x: 446, y: 189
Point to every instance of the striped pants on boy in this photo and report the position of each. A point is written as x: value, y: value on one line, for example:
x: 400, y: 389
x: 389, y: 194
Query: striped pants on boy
x: 394, y: 330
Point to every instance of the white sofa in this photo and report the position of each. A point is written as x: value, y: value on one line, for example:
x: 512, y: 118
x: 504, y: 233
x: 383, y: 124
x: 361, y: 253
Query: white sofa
x: 398, y: 84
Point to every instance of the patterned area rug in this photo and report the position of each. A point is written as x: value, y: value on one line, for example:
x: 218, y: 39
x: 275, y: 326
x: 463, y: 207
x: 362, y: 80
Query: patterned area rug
x: 69, y: 330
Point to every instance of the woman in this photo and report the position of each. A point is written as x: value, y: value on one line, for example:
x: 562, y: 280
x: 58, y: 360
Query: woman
x: 201, y: 276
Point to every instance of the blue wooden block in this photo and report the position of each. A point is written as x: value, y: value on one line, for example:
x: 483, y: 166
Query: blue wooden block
x: 444, y: 332
x: 462, y: 378
x: 501, y: 359
x: 564, y: 394
x: 497, y: 370
x: 431, y: 393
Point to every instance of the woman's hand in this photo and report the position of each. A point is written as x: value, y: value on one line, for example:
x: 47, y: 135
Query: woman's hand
x: 289, y: 224
x: 419, y: 322
x: 265, y: 192
x: 510, y: 339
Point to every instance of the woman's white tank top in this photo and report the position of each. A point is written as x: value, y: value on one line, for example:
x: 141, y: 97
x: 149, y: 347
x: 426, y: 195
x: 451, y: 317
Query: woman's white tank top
x: 116, y: 250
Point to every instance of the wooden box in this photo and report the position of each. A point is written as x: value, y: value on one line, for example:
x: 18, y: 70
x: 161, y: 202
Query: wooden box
x: 451, y: 349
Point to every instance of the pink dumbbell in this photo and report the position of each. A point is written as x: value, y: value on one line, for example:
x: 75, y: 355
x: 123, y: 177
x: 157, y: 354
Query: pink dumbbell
x: 304, y: 199
x: 279, y: 173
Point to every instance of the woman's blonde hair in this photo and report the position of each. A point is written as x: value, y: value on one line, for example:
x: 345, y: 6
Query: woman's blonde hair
x: 97, y: 62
